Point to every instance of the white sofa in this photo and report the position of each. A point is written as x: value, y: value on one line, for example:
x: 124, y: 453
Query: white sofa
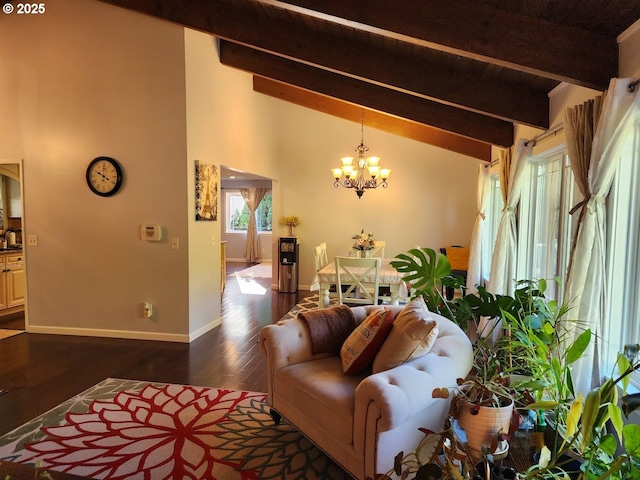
x: 361, y: 421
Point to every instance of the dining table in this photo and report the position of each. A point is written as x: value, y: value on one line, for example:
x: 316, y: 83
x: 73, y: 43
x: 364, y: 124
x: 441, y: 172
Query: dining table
x: 389, y: 277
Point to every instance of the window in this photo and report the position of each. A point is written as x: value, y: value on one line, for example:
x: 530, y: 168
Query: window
x: 237, y: 213
x: 545, y: 225
x: 622, y: 297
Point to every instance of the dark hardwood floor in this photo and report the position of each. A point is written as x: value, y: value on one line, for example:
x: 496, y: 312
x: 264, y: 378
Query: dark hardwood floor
x: 12, y: 321
x: 40, y: 371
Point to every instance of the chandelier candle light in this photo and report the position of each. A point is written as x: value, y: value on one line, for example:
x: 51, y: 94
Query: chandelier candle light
x: 365, y: 174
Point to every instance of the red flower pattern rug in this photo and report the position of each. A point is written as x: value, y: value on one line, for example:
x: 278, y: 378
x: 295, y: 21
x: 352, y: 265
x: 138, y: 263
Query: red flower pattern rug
x: 125, y: 429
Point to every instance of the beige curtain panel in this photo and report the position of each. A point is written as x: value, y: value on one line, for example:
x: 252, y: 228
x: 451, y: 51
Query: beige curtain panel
x: 475, y: 274
x: 580, y: 123
x: 252, y: 197
x: 586, y: 283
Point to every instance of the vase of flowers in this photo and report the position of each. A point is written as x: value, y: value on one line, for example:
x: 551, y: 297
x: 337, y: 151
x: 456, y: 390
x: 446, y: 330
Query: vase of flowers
x: 291, y: 221
x: 363, y: 243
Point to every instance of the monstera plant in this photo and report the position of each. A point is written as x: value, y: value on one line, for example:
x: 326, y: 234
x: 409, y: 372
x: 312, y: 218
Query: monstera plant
x: 427, y: 273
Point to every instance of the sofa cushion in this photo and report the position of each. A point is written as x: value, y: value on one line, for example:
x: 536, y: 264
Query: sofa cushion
x: 361, y: 346
x: 413, y: 334
x: 322, y: 392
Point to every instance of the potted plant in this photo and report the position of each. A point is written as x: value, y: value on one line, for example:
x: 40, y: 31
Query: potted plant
x: 446, y: 455
x: 291, y: 221
x: 483, y: 402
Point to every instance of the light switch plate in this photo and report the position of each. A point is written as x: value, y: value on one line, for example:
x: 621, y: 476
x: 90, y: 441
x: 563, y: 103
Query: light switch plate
x: 32, y: 240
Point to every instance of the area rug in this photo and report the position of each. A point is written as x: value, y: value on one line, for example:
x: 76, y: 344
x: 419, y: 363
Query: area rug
x: 127, y: 429
x: 6, y: 333
x: 261, y: 270
x: 307, y: 303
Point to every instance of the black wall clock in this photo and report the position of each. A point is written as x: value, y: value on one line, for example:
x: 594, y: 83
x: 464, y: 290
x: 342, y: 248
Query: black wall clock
x: 104, y: 176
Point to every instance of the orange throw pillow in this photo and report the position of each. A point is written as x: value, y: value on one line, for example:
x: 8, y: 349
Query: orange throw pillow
x: 360, y: 348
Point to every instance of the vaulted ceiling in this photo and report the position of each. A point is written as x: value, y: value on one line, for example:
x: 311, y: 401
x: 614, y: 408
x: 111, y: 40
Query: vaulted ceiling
x: 457, y: 74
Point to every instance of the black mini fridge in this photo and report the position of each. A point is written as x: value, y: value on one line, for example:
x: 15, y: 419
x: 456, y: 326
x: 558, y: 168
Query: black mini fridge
x: 288, y: 249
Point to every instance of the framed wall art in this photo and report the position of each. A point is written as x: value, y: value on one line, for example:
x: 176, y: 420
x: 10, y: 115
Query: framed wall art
x: 206, y: 191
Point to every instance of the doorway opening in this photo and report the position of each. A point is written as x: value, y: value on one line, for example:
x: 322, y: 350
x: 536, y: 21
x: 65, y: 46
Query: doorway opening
x: 12, y: 258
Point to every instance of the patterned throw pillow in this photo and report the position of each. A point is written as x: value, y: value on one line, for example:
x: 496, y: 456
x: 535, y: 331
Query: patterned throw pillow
x: 361, y: 346
x: 411, y: 337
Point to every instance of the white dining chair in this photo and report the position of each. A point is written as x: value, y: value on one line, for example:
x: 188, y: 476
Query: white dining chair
x: 321, y: 260
x: 358, y: 280
x: 320, y: 256
x: 378, y: 249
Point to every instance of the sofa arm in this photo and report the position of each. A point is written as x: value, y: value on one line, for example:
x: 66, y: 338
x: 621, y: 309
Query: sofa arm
x: 286, y: 343
x: 402, y: 392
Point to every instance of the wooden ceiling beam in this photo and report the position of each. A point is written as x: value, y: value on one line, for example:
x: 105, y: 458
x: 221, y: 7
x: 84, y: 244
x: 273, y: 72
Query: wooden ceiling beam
x: 462, y: 122
x: 482, y: 32
x: 381, y: 121
x: 517, y: 103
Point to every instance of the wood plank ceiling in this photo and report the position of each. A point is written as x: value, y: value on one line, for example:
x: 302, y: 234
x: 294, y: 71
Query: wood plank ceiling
x: 457, y: 74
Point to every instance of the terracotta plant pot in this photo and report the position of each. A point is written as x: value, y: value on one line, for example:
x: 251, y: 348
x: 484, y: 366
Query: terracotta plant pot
x: 482, y: 424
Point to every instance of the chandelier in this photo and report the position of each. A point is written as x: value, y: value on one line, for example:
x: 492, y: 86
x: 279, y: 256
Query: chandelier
x: 365, y: 174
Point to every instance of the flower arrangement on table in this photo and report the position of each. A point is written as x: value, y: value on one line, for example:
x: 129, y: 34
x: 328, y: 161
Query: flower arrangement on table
x: 363, y: 241
x: 291, y: 221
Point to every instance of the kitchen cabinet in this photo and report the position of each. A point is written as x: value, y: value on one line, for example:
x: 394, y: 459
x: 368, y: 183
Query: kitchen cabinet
x: 12, y: 280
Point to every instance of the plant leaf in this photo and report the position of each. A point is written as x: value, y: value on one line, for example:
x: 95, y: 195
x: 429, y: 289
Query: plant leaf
x: 543, y: 405
x: 397, y: 463
x: 608, y: 444
x: 573, y: 417
x: 430, y: 471
x: 545, y: 457
x: 631, y: 434
x: 615, y: 415
x: 589, y: 416
x: 430, y: 448
x: 578, y: 347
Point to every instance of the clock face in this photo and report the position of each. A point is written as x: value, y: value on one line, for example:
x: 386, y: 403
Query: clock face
x: 104, y: 176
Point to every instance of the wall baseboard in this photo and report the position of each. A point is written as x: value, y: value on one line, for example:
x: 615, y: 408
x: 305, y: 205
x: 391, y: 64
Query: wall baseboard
x: 126, y: 334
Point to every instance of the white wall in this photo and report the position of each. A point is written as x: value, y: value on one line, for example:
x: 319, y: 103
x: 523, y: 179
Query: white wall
x: 83, y: 80
x: 630, y: 52
x: 430, y: 200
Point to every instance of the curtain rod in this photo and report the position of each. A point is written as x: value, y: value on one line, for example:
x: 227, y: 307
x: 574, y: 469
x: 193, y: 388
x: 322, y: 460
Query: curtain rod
x: 491, y: 163
x: 632, y: 87
x: 547, y: 133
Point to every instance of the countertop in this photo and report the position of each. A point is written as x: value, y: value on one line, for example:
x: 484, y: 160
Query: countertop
x: 11, y: 249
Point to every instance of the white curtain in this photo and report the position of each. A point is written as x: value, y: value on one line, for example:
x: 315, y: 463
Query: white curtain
x: 252, y: 197
x: 585, y: 289
x: 475, y: 275
x: 503, y: 261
